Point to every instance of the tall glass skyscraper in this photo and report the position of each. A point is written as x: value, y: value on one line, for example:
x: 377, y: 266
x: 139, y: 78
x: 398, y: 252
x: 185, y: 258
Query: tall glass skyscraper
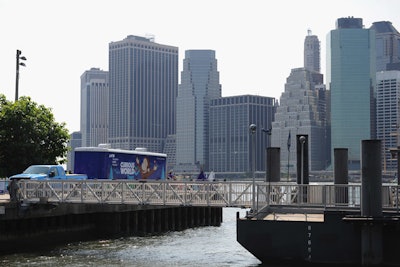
x: 351, y: 76
x: 143, y: 89
x: 230, y: 139
x: 94, y: 107
x: 199, y: 84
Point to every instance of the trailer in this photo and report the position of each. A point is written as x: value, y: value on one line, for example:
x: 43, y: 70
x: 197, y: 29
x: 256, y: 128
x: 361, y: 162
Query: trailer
x: 103, y: 162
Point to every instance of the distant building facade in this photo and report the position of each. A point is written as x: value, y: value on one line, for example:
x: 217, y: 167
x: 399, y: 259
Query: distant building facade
x: 143, y: 80
x: 230, y: 144
x: 388, y: 115
x: 74, y: 142
x: 170, y: 150
x: 351, y: 76
x: 312, y: 60
x: 199, y: 85
x: 302, y: 110
x: 387, y: 46
x: 387, y: 40
x: 94, y: 107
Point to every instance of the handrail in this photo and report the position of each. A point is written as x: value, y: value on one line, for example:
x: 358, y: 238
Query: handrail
x: 199, y: 193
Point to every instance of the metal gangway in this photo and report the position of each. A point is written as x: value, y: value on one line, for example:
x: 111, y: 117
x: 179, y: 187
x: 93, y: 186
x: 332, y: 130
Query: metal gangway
x: 201, y: 193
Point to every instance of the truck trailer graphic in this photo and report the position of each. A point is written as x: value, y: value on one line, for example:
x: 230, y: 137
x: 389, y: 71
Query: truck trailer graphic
x: 107, y: 163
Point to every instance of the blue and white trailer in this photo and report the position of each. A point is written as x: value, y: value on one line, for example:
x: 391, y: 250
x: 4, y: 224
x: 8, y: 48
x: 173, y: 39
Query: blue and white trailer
x: 103, y: 162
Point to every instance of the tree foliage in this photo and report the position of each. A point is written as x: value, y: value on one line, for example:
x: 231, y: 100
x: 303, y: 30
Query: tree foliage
x: 29, y: 135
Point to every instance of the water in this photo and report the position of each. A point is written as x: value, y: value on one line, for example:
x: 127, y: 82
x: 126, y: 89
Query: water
x: 204, y: 246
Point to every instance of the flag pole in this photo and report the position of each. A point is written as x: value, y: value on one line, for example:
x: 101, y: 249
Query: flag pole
x: 288, y: 147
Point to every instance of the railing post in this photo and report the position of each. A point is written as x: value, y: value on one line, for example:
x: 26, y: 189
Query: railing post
x: 230, y: 194
x: 123, y: 192
x: 165, y: 192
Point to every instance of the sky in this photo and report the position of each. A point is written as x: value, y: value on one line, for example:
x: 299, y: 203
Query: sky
x: 257, y: 42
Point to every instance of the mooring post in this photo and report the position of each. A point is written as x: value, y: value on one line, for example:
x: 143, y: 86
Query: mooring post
x: 273, y: 164
x: 341, y: 174
x: 371, y: 203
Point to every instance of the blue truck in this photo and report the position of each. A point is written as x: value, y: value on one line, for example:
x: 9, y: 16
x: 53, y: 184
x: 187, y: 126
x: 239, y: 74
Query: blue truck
x: 47, y: 172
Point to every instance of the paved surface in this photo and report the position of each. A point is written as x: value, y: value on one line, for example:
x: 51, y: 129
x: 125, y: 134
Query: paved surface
x: 300, y: 217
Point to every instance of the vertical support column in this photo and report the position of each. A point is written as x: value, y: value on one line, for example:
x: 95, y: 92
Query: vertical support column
x: 341, y: 173
x: 172, y: 219
x: 302, y: 166
x: 273, y: 164
x: 371, y: 202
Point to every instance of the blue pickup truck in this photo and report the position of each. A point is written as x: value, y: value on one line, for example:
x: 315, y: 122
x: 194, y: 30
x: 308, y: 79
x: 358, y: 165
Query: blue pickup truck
x: 47, y: 172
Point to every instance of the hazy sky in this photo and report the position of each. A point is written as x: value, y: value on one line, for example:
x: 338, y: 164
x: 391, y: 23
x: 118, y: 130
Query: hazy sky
x: 257, y: 42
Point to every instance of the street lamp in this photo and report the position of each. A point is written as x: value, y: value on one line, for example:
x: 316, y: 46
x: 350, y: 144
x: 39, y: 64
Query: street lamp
x: 302, y: 140
x: 253, y: 129
x: 17, y: 71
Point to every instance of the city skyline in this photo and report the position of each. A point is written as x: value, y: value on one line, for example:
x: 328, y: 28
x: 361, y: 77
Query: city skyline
x: 257, y: 45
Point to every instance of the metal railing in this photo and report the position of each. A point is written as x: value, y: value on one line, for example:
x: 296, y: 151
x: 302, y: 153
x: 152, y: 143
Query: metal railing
x: 228, y: 194
x: 194, y: 193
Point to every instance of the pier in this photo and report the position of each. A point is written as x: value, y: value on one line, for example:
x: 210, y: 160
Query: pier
x: 56, y: 212
x: 354, y: 224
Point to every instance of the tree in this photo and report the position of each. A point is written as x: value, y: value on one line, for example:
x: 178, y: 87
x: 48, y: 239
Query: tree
x: 29, y: 135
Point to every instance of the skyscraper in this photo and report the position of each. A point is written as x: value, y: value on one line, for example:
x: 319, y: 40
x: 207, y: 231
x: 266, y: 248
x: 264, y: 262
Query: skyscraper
x: 388, y: 115
x: 387, y: 46
x: 143, y: 89
x: 199, y: 84
x: 230, y: 138
x: 302, y: 110
x: 94, y: 107
x: 351, y: 76
x: 312, y: 53
x: 387, y: 40
x: 74, y: 142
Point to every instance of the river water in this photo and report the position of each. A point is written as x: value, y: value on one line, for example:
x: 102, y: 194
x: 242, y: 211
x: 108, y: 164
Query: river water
x: 204, y: 246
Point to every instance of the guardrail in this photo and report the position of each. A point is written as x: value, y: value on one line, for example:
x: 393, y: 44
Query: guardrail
x: 229, y: 194
x: 194, y: 193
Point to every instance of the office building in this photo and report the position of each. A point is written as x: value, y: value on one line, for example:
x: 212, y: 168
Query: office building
x: 388, y: 116
x: 94, y: 107
x: 312, y: 53
x: 143, y: 80
x: 199, y: 85
x: 170, y: 150
x: 351, y: 76
x: 302, y: 110
x: 230, y: 138
x: 74, y: 142
x: 387, y: 46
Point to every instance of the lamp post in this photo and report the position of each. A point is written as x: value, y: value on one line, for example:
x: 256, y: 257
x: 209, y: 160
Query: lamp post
x: 267, y: 139
x: 17, y: 71
x: 302, y: 141
x: 253, y: 129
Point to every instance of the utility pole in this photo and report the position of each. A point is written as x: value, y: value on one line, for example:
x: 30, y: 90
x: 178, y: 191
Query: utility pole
x: 17, y: 71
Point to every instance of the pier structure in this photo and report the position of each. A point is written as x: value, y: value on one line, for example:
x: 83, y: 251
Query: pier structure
x: 47, y: 213
x: 355, y: 224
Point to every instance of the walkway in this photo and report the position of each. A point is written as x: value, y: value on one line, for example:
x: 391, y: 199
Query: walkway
x: 195, y: 193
